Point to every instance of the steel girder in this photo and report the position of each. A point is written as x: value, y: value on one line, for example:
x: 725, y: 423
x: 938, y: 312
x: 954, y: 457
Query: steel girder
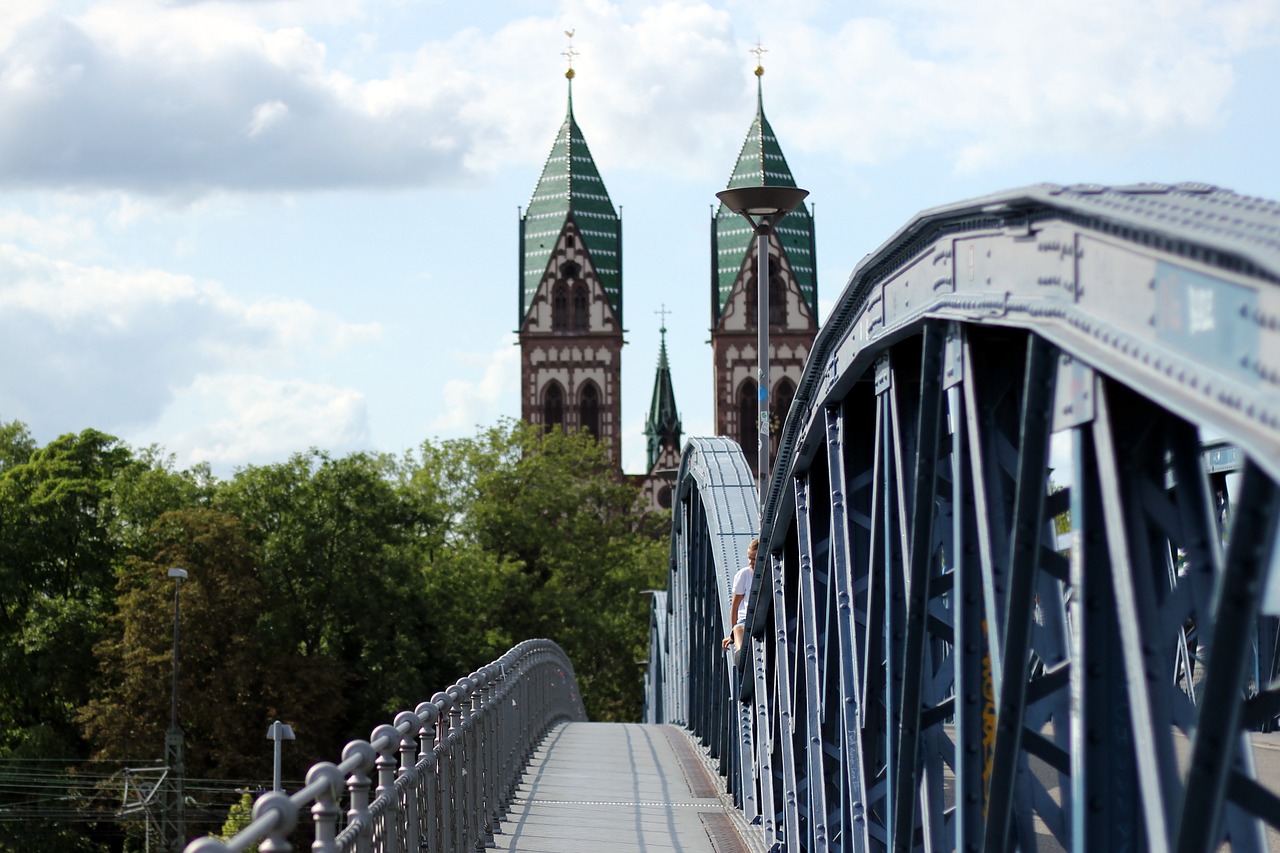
x: 1013, y: 603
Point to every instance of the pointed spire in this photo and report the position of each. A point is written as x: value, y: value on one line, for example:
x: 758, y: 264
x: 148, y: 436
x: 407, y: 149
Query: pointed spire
x: 663, y: 425
x: 570, y: 186
x: 761, y: 163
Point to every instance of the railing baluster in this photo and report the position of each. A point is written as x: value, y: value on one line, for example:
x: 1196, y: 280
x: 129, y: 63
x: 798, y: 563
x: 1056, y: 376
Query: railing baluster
x: 408, y: 767
x: 358, y: 784
x: 429, y: 815
x: 325, y: 811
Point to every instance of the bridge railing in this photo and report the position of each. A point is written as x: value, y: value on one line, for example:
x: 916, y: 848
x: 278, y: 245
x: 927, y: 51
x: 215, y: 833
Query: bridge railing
x: 691, y: 681
x: 438, y: 777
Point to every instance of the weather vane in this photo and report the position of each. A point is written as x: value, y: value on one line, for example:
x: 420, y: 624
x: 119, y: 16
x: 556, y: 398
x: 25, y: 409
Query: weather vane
x: 759, y: 50
x: 570, y: 53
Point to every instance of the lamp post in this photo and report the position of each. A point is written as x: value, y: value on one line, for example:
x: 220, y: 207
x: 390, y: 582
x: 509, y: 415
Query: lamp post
x: 763, y: 208
x: 174, y: 807
x: 278, y: 732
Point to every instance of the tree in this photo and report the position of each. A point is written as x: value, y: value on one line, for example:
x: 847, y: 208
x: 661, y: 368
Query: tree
x: 566, y: 551
x: 337, y: 540
x: 16, y: 444
x: 235, y: 677
x: 148, y: 487
x: 56, y: 558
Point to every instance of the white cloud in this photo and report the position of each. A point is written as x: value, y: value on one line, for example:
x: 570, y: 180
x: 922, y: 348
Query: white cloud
x: 91, y: 345
x: 59, y: 233
x: 468, y: 403
x: 996, y: 79
x: 267, y: 114
x: 186, y: 97
x: 249, y: 419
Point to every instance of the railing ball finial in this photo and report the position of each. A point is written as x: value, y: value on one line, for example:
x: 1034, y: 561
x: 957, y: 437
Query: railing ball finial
x: 414, y: 721
x: 277, y: 801
x: 366, y: 752
x: 428, y: 712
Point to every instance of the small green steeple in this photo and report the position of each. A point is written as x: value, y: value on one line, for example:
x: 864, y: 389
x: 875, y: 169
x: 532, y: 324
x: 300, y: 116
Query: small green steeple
x: 761, y: 163
x: 663, y: 425
x: 570, y: 187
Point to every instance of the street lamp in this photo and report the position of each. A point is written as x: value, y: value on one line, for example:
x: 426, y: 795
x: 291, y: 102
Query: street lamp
x: 174, y: 807
x: 762, y: 207
x: 278, y: 732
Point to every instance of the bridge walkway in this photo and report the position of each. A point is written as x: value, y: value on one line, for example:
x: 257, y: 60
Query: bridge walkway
x: 624, y: 787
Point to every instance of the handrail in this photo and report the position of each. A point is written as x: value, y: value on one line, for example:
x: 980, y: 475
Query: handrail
x: 461, y: 755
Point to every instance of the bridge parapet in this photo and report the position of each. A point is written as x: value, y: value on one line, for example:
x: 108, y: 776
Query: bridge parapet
x: 442, y: 775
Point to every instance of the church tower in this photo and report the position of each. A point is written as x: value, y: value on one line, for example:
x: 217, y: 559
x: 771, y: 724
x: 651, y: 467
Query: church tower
x: 571, y: 295
x: 793, y: 295
x: 663, y: 431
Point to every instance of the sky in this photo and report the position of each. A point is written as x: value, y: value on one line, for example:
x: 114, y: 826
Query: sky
x: 238, y: 229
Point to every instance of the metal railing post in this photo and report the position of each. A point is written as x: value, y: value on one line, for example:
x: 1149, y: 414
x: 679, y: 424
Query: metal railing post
x: 409, y: 773
x: 325, y: 811
x: 389, y: 737
x: 429, y: 781
x: 444, y: 772
x: 358, y: 784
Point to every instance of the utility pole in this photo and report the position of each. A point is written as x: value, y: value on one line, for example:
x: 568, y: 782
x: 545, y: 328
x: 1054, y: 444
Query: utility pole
x: 173, y: 828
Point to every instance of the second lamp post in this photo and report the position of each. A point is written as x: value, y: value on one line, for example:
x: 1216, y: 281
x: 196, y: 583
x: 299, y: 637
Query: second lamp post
x: 762, y: 207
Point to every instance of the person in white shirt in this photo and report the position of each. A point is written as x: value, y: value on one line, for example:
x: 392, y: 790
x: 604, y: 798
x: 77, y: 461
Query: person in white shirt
x: 741, y: 589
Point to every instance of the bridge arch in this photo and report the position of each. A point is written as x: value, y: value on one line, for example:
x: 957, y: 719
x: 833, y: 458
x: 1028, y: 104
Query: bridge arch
x: 1027, y: 489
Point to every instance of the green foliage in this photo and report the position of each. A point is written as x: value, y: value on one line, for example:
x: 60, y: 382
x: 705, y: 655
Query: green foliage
x: 552, y: 544
x: 16, y: 444
x: 56, y: 558
x: 234, y: 677
x: 335, y: 539
x: 239, y: 816
x: 326, y: 592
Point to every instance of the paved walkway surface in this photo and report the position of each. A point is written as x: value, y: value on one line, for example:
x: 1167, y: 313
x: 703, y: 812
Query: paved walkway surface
x: 622, y: 787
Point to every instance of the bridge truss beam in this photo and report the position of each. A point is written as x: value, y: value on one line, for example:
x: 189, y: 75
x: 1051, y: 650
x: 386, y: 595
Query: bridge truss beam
x: 1012, y: 602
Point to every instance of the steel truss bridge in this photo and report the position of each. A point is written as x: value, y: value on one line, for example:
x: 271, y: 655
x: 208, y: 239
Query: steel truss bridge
x: 1018, y: 575
x: 1018, y: 584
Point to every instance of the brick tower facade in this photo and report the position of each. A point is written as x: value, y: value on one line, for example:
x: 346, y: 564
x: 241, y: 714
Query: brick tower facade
x: 571, y: 295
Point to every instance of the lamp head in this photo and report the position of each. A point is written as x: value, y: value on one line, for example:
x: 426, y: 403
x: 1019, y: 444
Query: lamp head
x: 280, y: 731
x: 771, y: 202
x: 180, y: 574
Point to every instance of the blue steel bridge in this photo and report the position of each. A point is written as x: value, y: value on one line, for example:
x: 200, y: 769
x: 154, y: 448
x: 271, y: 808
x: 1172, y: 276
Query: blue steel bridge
x: 1018, y: 585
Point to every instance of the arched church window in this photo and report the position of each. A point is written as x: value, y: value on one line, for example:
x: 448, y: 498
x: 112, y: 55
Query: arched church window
x: 748, y: 433
x: 777, y: 296
x: 581, y: 307
x: 553, y: 406
x: 560, y: 306
x: 589, y: 409
x: 570, y: 270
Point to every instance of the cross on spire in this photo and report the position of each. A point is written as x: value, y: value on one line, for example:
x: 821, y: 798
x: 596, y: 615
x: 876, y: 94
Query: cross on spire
x: 663, y: 312
x: 759, y: 50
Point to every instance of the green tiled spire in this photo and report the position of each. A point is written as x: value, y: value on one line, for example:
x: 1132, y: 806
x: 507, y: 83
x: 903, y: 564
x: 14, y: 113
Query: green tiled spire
x: 571, y: 187
x: 761, y: 163
x: 664, y: 420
